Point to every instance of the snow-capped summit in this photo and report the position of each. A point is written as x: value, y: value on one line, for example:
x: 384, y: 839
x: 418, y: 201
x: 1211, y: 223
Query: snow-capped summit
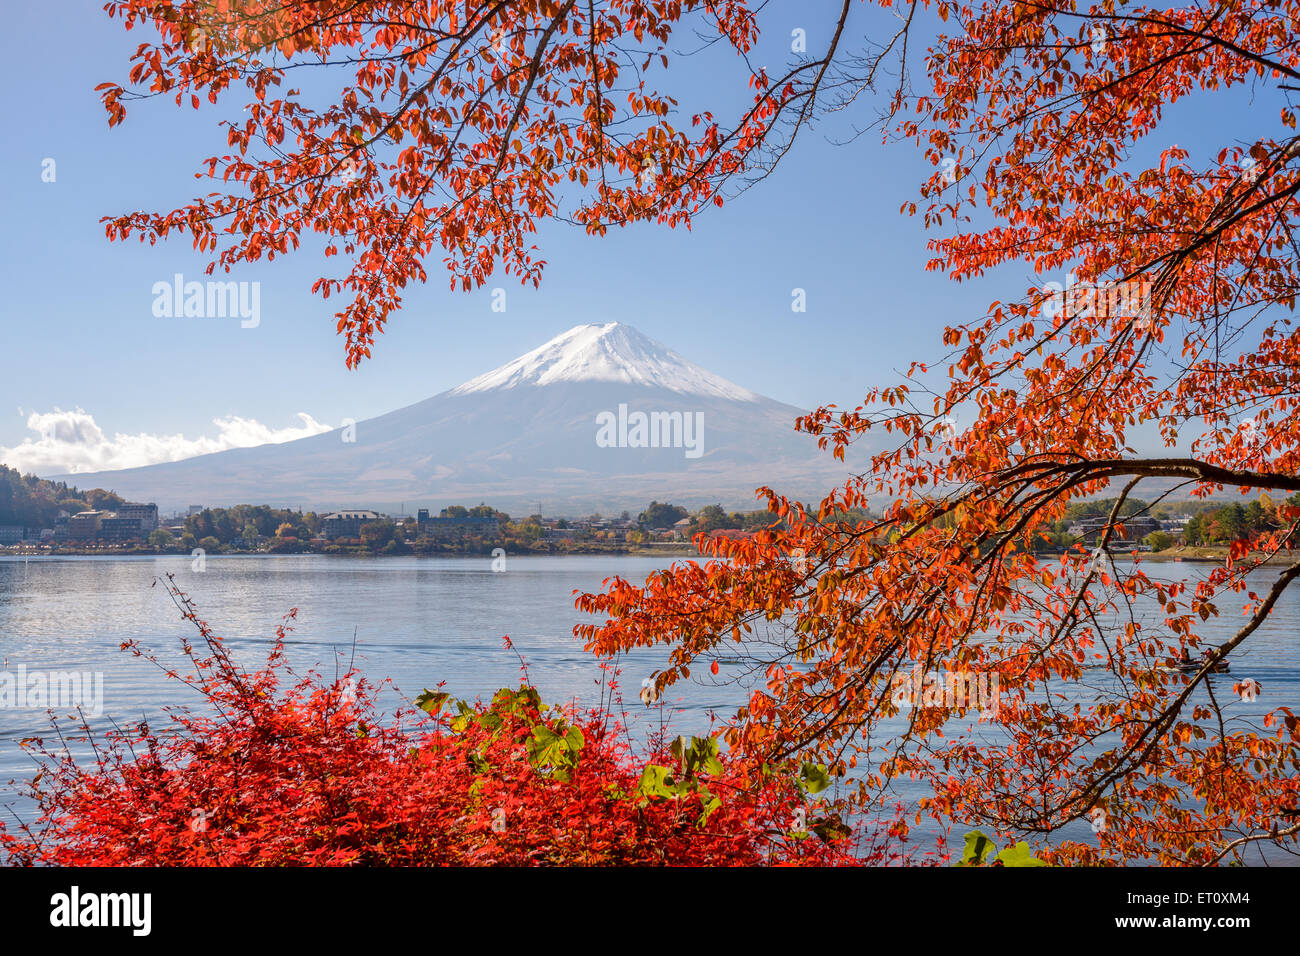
x: 608, y: 352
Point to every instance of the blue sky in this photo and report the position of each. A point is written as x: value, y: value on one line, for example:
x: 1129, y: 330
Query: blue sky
x: 79, y: 330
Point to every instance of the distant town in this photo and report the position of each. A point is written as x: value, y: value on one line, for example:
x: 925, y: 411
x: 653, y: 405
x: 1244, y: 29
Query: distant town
x: 137, y: 527
x: 39, y: 516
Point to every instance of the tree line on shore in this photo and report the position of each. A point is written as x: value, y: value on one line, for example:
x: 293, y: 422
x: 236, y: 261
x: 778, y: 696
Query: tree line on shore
x: 285, y: 531
x: 1209, y: 522
x: 31, y: 502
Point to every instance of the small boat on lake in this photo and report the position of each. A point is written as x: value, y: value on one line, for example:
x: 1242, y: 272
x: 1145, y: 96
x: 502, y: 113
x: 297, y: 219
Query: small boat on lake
x: 1192, y: 666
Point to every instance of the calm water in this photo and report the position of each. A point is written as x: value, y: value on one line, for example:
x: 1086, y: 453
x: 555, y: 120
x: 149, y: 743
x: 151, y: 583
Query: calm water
x: 415, y: 621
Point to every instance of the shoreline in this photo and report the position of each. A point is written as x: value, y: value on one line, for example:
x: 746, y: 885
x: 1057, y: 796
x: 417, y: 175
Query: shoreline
x: 686, y: 550
x: 1211, y: 554
x: 1182, y: 555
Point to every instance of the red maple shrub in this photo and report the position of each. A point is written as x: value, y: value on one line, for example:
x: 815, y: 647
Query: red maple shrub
x: 304, y: 772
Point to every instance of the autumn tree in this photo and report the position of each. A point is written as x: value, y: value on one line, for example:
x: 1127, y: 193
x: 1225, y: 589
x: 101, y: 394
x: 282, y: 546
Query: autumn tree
x: 661, y: 515
x: 1179, y: 325
x: 376, y: 534
x: 465, y: 125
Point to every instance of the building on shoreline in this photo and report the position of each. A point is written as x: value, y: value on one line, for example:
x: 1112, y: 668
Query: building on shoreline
x: 85, y: 525
x: 451, y: 527
x: 1090, y: 531
x: 130, y: 522
x: 146, y: 515
x: 347, y: 524
x: 117, y: 528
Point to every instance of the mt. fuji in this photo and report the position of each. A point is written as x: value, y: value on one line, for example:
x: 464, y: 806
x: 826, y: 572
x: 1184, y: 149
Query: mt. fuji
x: 600, y: 417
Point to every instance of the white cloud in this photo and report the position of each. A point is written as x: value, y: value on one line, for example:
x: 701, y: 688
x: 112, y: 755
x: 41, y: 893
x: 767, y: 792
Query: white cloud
x: 71, y: 443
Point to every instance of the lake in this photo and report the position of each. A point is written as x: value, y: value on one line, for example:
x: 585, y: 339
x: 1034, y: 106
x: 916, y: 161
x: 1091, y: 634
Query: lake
x: 416, y: 621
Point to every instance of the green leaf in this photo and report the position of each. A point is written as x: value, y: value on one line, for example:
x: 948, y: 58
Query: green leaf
x: 656, y: 781
x: 431, y: 701
x: 574, y: 740
x: 549, y: 751
x: 709, y: 755
x: 978, y: 846
x: 709, y: 807
x: 464, y: 718
x: 1019, y: 855
x: 696, y: 753
x: 814, y: 777
x: 541, y: 745
x: 516, y: 703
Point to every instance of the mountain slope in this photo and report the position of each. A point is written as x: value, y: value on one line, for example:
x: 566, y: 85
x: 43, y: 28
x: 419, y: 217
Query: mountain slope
x: 558, y: 425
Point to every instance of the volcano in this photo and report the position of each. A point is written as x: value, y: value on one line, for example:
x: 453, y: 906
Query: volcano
x: 600, y: 418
